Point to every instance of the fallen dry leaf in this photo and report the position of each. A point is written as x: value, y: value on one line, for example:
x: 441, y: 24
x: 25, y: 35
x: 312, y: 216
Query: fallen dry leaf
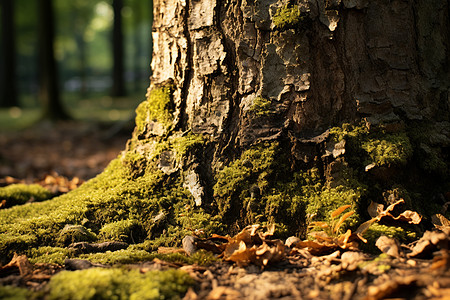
x: 429, y: 243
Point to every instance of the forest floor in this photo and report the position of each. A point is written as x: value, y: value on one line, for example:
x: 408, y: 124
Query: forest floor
x: 82, y: 151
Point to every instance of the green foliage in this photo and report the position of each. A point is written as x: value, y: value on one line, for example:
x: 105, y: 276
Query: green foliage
x: 8, y: 292
x: 97, y: 283
x: 16, y: 194
x: 261, y: 106
x: 157, y: 108
x: 287, y: 16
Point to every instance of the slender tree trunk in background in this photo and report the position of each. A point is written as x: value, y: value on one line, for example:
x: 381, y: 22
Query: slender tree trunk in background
x: 81, y: 46
x: 137, y: 19
x: 49, y: 93
x: 118, y: 87
x: 8, y: 97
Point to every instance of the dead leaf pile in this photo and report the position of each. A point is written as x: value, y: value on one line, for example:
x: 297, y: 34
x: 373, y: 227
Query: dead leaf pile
x: 19, y: 271
x: 251, y: 246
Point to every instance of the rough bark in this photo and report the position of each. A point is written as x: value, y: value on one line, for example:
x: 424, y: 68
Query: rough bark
x: 242, y: 72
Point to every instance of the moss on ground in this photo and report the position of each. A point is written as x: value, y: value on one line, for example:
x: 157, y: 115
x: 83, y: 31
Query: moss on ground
x: 129, y: 202
x: 376, y: 230
x: 115, y: 283
x: 8, y: 292
x: 17, y: 194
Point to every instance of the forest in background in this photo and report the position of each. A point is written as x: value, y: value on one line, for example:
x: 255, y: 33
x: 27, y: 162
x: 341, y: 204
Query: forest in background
x: 84, y: 51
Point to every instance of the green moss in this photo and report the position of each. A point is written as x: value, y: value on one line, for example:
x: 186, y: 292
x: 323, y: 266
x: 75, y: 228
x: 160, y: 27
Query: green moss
x: 261, y: 106
x: 389, y: 149
x: 120, y: 231
x: 157, y: 108
x: 74, y: 234
x: 287, y: 16
x: 17, y: 194
x: 134, y: 254
x: 375, y: 145
x: 284, y: 198
x: 8, y: 292
x: 124, y: 256
x: 185, y: 143
x: 401, y: 234
x: 50, y: 255
x: 376, y: 230
x: 116, y: 283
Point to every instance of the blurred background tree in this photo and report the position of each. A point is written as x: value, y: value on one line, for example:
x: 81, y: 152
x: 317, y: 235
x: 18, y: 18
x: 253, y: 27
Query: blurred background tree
x: 85, y: 63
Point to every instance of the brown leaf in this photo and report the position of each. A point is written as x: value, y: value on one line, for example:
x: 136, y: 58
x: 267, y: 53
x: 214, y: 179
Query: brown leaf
x: 409, y: 216
x: 342, y: 220
x: 429, y: 243
x: 338, y: 211
x: 441, y: 222
x: 19, y: 263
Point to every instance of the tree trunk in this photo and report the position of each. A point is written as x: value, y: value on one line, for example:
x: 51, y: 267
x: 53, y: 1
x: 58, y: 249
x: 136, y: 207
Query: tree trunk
x: 118, y: 87
x: 8, y: 97
x: 249, y: 74
x: 49, y: 81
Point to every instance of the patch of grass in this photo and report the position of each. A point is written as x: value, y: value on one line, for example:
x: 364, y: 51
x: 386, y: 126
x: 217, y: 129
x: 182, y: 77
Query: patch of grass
x: 114, y: 283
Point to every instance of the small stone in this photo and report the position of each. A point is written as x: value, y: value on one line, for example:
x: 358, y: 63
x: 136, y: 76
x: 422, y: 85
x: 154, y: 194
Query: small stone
x: 189, y: 244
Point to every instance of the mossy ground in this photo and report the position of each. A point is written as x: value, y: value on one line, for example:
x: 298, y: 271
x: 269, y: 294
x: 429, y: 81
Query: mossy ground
x: 115, y: 283
x: 17, y: 194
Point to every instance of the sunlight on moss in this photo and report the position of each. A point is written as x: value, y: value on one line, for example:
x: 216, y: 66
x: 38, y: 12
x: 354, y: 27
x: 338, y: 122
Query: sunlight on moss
x: 287, y: 16
x: 261, y: 106
x: 16, y: 194
x: 157, y: 108
x: 49, y: 255
x: 98, y: 283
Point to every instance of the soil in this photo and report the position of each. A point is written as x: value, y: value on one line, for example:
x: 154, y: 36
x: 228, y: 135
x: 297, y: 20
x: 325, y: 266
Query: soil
x: 82, y: 151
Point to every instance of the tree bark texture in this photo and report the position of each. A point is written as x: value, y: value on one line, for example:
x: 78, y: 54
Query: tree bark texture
x: 384, y: 61
x: 244, y: 72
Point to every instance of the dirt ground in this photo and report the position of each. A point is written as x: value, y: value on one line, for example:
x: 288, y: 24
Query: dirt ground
x: 80, y: 150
